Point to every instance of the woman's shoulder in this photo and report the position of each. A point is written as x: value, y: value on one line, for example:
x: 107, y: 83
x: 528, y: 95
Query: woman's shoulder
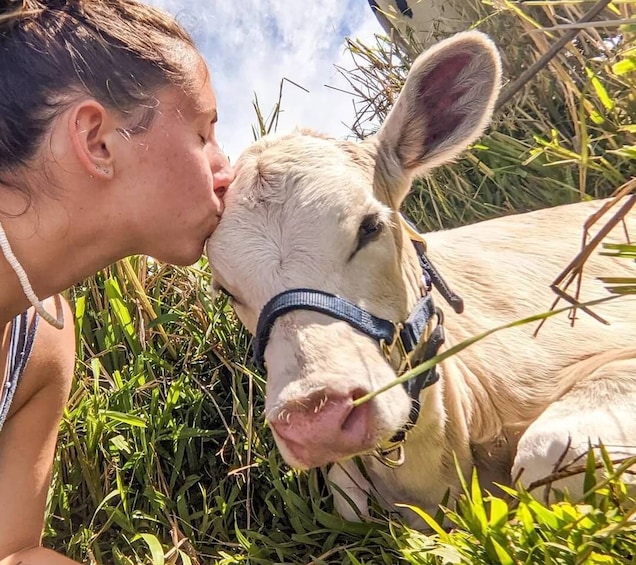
x: 32, y: 353
x: 51, y: 353
x: 53, y: 347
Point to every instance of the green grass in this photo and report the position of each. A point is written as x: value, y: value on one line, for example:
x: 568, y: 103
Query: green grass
x: 164, y: 455
x: 157, y: 448
x: 568, y: 135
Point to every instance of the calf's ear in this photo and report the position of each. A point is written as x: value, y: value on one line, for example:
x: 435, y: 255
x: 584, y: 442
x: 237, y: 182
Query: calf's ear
x: 445, y: 104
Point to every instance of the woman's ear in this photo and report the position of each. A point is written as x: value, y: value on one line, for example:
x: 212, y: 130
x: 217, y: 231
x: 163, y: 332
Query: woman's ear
x: 92, y: 132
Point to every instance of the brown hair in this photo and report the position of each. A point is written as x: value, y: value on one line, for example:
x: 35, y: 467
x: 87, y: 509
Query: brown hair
x: 119, y: 52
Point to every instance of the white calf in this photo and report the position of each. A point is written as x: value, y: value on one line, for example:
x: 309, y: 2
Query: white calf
x: 316, y: 213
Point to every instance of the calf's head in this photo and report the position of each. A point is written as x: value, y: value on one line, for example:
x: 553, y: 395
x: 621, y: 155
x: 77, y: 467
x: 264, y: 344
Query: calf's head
x: 306, y: 211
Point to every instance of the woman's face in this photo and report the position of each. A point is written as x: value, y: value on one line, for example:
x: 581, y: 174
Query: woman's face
x: 177, y: 174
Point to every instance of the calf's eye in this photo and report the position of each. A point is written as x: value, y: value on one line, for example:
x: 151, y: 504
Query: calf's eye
x: 370, y: 229
x: 220, y: 289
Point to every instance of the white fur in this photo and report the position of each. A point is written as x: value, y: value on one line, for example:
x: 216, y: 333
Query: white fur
x: 508, y: 403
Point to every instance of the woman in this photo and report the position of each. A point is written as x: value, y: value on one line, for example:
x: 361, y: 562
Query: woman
x: 107, y: 149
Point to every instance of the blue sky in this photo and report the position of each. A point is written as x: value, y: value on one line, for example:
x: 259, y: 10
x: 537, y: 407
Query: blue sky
x: 250, y: 45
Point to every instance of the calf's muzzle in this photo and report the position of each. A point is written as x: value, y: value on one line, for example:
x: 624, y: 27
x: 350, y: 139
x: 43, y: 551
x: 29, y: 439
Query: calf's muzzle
x: 324, y: 427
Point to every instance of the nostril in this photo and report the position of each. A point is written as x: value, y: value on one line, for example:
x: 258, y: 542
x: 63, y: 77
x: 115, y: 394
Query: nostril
x: 358, y: 416
x: 222, y: 174
x: 220, y: 190
x: 358, y: 393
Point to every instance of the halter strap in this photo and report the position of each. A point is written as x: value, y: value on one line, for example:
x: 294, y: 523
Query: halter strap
x: 340, y: 308
x: 409, y: 335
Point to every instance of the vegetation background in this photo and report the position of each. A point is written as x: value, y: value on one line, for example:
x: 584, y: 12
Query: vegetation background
x: 164, y: 456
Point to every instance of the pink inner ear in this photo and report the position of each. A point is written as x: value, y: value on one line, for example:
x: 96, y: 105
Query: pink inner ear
x: 439, y: 79
x: 439, y: 92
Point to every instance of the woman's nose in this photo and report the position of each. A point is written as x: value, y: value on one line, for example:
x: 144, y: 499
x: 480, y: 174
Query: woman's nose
x: 222, y: 172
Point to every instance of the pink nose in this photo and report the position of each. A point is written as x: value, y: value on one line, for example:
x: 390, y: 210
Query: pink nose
x: 324, y: 427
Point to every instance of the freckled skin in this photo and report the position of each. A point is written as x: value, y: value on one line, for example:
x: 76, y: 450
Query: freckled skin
x: 177, y: 169
x: 104, y: 196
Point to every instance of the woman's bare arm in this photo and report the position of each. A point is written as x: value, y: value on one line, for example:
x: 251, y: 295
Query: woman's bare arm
x: 27, y: 444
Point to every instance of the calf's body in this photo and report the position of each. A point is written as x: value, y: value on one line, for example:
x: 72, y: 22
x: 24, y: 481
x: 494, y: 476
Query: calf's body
x: 512, y: 404
x: 310, y: 212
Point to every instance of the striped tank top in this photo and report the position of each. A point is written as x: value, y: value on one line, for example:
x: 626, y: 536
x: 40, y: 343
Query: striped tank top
x: 20, y: 345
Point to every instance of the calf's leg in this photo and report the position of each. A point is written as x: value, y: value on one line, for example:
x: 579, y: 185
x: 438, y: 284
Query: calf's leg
x: 599, y: 408
x: 350, y: 491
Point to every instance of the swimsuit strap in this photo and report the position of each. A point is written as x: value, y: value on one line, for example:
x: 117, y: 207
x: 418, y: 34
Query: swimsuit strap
x: 20, y: 345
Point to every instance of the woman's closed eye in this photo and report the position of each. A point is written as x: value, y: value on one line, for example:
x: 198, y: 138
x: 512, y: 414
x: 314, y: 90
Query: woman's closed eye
x: 207, y: 136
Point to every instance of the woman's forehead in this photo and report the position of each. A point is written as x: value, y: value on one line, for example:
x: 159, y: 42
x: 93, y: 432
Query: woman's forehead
x: 200, y: 90
x: 194, y: 99
x: 195, y: 80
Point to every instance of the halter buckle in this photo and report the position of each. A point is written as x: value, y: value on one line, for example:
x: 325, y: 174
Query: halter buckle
x: 389, y: 348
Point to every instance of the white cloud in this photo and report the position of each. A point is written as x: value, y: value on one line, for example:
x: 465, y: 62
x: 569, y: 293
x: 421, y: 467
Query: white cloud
x: 251, y: 45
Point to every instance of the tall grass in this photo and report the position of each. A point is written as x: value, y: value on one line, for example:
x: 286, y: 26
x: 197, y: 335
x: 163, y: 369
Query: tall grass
x: 568, y: 135
x: 164, y: 456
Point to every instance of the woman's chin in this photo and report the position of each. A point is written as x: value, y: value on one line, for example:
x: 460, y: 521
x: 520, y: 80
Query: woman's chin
x: 185, y: 256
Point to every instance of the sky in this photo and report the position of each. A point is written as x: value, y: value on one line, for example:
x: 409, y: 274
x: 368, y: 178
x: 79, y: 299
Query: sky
x: 251, y: 45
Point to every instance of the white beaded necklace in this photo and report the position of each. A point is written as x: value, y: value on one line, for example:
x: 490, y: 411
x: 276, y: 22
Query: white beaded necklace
x: 26, y: 285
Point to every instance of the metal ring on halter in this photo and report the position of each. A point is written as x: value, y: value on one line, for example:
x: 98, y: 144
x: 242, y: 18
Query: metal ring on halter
x: 382, y: 455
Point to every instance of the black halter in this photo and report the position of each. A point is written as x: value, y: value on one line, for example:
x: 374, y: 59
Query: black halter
x: 409, y: 333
